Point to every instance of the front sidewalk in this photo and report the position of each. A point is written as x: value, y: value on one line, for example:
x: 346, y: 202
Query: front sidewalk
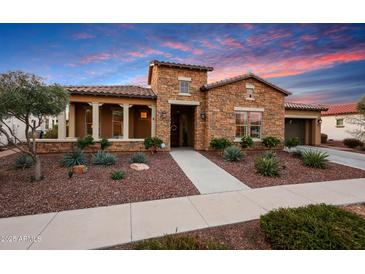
x: 107, y: 226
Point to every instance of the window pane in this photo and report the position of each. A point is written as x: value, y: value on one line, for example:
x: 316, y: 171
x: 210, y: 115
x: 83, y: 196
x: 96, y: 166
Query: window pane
x: 255, y: 118
x: 339, y: 122
x: 241, y: 131
x: 89, y: 122
x: 184, y: 86
x: 255, y: 132
x: 241, y: 118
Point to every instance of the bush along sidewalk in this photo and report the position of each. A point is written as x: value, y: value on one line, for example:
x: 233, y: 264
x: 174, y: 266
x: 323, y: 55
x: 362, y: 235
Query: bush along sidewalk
x: 321, y: 227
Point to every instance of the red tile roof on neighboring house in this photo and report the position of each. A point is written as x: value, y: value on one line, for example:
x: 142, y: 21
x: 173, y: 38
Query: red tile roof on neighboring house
x: 300, y: 106
x: 341, y: 109
x: 239, y: 78
x: 119, y: 91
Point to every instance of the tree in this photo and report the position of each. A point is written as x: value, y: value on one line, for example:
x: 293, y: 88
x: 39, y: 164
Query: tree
x: 26, y: 97
x: 359, y: 133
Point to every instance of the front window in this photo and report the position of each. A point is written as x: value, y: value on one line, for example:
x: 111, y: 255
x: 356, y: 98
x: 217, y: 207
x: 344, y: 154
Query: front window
x: 248, y: 124
x: 118, y: 124
x: 339, y: 122
x: 89, y: 122
x: 184, y: 86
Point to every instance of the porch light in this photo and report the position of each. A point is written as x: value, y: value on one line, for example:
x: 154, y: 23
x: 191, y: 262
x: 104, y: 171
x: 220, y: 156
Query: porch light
x: 163, y: 114
x: 202, y: 115
x: 320, y: 121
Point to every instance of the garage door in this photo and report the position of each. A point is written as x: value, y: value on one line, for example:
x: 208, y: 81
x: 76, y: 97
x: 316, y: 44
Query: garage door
x: 295, y: 128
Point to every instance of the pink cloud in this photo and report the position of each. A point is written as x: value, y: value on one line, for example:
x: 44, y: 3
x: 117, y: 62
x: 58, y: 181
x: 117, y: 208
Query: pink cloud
x: 140, y: 80
x: 97, y: 57
x: 308, y: 37
x: 230, y: 42
x: 136, y: 54
x: 82, y: 36
x: 288, y: 66
x: 206, y: 43
x: 176, y: 45
x: 259, y: 39
x: 247, y: 26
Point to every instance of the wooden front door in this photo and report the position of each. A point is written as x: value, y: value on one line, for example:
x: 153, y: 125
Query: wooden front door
x: 174, y: 128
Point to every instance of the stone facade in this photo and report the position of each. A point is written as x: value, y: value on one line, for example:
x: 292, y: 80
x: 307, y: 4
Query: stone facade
x: 165, y: 84
x: 62, y: 147
x: 221, y: 102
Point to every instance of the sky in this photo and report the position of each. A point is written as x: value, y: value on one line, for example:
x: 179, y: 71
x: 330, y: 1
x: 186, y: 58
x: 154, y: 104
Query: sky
x: 318, y: 63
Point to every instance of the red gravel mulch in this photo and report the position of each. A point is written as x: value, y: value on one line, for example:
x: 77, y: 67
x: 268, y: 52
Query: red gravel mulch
x: 56, y: 192
x: 247, y: 235
x: 292, y: 170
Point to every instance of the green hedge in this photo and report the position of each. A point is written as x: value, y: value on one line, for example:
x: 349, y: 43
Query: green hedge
x: 314, y: 227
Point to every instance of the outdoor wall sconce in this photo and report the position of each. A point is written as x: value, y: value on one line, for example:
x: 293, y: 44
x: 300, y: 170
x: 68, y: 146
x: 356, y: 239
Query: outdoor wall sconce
x: 163, y: 114
x: 319, y: 121
x: 202, y: 115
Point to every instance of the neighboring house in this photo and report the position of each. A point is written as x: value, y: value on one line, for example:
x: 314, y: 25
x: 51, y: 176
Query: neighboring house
x: 336, y: 121
x: 18, y: 127
x: 182, y: 109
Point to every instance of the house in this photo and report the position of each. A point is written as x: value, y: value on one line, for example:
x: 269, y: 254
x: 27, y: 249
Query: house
x: 336, y: 121
x: 183, y: 109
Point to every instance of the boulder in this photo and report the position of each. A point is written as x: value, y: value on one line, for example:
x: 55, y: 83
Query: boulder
x: 139, y: 167
x: 80, y: 169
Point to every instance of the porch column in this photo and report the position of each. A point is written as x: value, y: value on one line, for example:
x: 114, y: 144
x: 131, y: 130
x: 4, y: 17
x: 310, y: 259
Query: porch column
x: 95, y: 114
x: 153, y: 120
x: 71, y: 124
x: 125, y: 121
x: 61, y: 125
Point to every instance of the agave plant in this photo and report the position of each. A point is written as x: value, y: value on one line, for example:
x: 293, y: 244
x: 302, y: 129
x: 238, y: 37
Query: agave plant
x: 103, y: 158
x: 74, y: 158
x: 315, y: 158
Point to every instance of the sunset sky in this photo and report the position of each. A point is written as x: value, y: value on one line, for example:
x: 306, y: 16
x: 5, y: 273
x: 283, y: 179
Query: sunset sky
x: 319, y: 63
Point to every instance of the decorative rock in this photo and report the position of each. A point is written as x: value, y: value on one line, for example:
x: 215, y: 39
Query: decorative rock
x: 80, y: 169
x: 139, y: 167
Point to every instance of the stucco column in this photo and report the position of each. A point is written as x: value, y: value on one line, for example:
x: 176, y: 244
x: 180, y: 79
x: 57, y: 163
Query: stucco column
x: 61, y: 125
x: 95, y: 114
x: 125, y: 121
x: 71, y: 124
x: 153, y: 120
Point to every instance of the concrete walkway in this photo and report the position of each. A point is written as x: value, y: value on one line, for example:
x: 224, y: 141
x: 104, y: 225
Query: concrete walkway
x: 204, y: 174
x: 346, y: 158
x: 8, y: 152
x: 107, y: 226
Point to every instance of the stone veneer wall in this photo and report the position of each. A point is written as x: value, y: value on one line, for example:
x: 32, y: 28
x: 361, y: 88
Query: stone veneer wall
x: 165, y: 84
x: 221, y: 102
x: 62, y: 147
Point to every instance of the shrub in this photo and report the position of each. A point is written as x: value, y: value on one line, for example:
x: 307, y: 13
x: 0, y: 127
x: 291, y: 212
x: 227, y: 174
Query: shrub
x: 52, y: 133
x: 117, y: 175
x: 152, y: 143
x: 105, y: 143
x: 220, y: 143
x: 324, y: 138
x: 103, y: 158
x: 233, y: 154
x: 313, y: 227
x: 352, y: 142
x: 314, y: 158
x: 139, y: 157
x: 173, y: 242
x: 292, y: 142
x: 23, y: 161
x: 269, y: 154
x: 246, y: 142
x: 85, y: 142
x: 270, y: 142
x: 267, y: 166
x: 73, y: 158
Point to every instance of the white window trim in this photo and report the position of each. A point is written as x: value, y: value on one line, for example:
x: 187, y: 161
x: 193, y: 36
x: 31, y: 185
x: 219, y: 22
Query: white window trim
x: 185, y: 103
x: 249, y: 109
x: 184, y: 94
x: 181, y: 78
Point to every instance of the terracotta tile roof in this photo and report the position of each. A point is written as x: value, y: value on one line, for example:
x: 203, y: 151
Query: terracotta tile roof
x: 341, y: 109
x: 179, y: 65
x: 300, y: 106
x: 120, y: 91
x: 239, y: 78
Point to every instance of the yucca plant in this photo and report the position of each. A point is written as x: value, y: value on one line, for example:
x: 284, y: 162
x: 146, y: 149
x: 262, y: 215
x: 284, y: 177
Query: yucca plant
x: 267, y: 166
x: 117, y: 175
x: 315, y: 158
x: 269, y: 154
x: 233, y: 154
x: 139, y: 157
x: 73, y: 158
x: 103, y: 158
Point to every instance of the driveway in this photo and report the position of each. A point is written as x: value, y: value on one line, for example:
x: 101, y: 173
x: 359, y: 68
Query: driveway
x: 346, y: 158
